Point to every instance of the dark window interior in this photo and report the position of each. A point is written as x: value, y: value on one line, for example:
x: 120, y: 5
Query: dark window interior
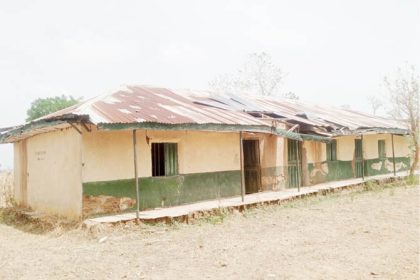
x: 381, y: 149
x: 164, y: 159
x: 332, y: 150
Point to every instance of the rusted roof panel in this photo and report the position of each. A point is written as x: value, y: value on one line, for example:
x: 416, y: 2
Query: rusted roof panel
x: 152, y: 104
x: 142, y: 106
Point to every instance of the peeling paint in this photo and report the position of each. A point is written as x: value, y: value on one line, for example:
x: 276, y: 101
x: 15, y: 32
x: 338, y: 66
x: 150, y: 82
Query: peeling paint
x: 376, y: 166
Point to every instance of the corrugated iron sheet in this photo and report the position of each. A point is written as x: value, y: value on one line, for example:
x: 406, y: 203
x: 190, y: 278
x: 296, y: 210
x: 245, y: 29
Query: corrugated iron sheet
x: 305, y: 112
x: 137, y: 104
x: 141, y: 106
x: 161, y: 105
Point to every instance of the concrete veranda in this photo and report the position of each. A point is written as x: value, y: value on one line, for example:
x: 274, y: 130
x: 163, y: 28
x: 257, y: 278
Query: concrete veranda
x: 184, y: 211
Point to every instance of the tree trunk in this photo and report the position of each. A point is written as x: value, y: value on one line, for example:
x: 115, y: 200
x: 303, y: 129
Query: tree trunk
x: 415, y: 162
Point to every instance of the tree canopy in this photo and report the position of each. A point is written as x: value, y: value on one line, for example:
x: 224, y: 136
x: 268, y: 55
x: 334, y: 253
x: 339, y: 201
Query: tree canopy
x: 44, y: 106
x: 258, y: 75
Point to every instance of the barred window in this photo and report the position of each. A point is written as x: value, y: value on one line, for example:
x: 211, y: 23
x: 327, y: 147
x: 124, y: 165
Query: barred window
x: 332, y: 150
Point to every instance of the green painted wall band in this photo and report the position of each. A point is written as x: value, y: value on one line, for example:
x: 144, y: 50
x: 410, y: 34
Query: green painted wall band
x: 173, y: 190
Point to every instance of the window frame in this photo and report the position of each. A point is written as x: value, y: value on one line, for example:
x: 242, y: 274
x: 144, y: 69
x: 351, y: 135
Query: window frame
x: 381, y: 149
x: 331, y: 150
x: 167, y: 157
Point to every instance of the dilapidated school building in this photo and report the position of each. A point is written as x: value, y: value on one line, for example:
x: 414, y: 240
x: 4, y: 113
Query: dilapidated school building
x: 188, y: 146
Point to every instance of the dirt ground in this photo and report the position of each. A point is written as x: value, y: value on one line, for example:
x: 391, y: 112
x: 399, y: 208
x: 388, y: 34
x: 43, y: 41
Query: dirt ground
x: 369, y: 235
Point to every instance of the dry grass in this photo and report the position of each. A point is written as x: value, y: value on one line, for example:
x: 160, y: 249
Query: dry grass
x: 6, y: 188
x: 371, y: 233
x: 32, y: 222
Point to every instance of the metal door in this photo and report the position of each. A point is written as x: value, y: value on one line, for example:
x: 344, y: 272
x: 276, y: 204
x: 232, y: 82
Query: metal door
x: 294, y: 152
x: 358, y: 158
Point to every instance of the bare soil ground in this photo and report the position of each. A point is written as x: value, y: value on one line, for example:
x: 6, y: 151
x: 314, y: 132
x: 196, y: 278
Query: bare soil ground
x: 367, y: 235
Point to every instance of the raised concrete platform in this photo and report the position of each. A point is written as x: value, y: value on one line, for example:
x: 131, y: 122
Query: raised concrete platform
x: 182, y: 212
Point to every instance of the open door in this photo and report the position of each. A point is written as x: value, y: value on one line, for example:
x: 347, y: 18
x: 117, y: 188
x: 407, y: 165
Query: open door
x: 252, y: 167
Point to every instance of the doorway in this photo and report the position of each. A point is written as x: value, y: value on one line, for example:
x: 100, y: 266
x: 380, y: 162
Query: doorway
x: 358, y: 158
x: 252, y: 166
x: 294, y: 159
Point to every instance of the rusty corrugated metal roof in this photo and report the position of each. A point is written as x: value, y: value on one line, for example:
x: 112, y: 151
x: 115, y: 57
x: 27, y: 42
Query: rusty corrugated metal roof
x: 137, y: 104
x: 144, y: 106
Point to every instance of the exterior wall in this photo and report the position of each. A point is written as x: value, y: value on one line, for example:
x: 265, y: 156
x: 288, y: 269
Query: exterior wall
x: 54, y: 173
x: 271, y: 159
x: 314, y: 151
x: 208, y: 167
x: 71, y: 174
x: 345, y: 148
x: 319, y: 170
x: 375, y: 165
x: 108, y: 155
x: 313, y: 161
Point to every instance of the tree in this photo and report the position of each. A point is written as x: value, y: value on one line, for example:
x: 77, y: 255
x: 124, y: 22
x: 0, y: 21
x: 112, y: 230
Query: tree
x: 403, y: 88
x: 258, y: 75
x: 375, y: 103
x: 44, y: 106
x: 290, y: 95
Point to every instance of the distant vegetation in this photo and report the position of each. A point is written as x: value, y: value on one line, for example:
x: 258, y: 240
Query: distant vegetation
x: 44, y: 106
x: 404, y: 98
x: 259, y: 75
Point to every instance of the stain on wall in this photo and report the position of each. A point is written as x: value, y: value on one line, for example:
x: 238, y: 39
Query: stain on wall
x: 339, y: 170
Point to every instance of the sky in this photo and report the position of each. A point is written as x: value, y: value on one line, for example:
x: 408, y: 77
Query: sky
x: 333, y: 51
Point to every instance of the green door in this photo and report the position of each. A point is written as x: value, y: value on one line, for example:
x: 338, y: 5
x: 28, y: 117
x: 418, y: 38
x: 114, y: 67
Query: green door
x: 294, y: 152
x: 358, y: 158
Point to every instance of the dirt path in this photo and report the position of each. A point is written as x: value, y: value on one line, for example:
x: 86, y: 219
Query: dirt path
x: 373, y: 235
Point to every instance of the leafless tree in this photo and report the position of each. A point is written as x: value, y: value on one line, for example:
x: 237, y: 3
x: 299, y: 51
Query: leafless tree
x: 403, y: 89
x: 375, y: 103
x: 258, y: 75
x: 290, y: 95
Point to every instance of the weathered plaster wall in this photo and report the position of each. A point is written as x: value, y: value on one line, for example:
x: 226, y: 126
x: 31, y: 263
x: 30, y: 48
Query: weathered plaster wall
x: 345, y: 165
x: 208, y: 152
x: 370, y: 145
x: 54, y: 173
x: 345, y: 148
x: 271, y: 159
x: 401, y: 144
x: 314, y: 151
x: 314, y: 168
x: 375, y: 165
x: 108, y: 155
x: 208, y: 165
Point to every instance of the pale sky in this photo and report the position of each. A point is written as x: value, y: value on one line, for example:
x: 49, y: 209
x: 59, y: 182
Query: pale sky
x: 334, y: 51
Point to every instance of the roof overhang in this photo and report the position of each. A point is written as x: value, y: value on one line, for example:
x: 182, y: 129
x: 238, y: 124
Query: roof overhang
x: 17, y: 133
x: 214, y: 127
